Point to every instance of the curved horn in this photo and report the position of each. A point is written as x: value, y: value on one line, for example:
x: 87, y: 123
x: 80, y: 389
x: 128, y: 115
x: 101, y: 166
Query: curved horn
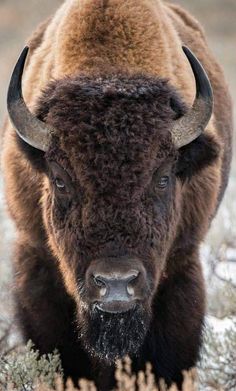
x: 193, y: 123
x: 28, y: 127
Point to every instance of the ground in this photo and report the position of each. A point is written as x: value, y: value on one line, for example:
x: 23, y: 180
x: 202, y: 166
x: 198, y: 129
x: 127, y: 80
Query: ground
x: 17, y: 20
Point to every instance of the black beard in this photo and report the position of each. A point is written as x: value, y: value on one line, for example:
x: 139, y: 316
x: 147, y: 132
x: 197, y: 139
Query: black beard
x: 113, y: 336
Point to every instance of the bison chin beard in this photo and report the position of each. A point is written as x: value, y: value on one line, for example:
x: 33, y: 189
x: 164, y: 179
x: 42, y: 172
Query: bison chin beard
x: 109, y: 337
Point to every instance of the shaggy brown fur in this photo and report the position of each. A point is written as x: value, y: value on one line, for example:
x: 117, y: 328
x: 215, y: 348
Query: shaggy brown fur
x: 112, y: 108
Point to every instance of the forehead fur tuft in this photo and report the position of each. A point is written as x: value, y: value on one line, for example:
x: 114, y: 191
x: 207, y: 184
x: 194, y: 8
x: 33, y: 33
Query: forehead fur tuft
x: 135, y: 87
x: 113, y: 129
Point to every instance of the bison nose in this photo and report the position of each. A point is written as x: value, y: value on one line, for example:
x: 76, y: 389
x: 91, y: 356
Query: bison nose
x: 115, y: 285
x: 117, y: 288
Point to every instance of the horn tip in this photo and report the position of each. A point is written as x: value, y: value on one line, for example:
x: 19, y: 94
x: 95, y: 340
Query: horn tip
x: 206, y: 88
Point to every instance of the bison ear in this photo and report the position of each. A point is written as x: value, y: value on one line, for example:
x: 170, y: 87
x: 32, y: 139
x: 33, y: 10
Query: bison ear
x: 197, y: 155
x: 33, y: 155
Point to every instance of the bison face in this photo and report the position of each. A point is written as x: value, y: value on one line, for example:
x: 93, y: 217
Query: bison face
x: 111, y: 202
x: 111, y: 199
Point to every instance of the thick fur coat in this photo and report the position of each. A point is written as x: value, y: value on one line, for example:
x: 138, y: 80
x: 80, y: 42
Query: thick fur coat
x: 115, y: 59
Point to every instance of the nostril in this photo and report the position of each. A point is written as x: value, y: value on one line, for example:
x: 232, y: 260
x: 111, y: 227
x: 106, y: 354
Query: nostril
x: 130, y: 284
x: 98, y: 281
x: 130, y: 290
x: 101, y: 284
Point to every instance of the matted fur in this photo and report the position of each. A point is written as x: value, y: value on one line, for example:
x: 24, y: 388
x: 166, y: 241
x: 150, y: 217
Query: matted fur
x: 120, y: 80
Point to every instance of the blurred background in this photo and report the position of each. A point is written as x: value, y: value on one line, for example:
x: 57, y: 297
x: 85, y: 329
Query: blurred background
x: 17, y: 20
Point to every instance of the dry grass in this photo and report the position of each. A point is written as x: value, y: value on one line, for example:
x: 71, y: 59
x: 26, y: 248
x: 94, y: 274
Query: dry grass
x: 126, y: 381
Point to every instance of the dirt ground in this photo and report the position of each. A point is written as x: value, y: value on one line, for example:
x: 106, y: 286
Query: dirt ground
x: 19, y: 18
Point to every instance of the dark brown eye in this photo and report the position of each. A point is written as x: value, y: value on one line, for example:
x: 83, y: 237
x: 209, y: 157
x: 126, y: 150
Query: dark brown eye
x: 60, y: 185
x: 163, y: 182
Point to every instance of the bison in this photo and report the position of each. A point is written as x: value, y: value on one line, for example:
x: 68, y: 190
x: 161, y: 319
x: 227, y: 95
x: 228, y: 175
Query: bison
x: 115, y: 163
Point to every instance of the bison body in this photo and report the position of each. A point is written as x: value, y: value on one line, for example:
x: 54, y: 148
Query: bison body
x: 110, y: 216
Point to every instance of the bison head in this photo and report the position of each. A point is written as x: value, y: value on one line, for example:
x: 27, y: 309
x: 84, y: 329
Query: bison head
x: 111, y: 149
